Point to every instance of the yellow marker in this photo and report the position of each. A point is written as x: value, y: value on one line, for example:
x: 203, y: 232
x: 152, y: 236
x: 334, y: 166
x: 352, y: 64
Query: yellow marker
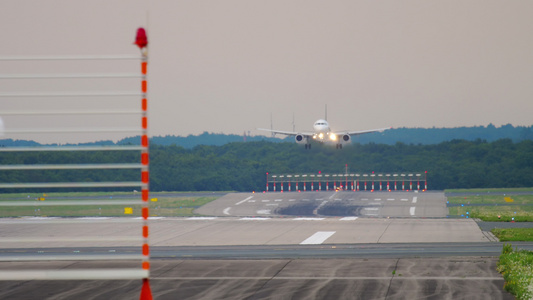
x: 42, y: 198
x: 128, y: 210
x: 508, y: 199
x: 154, y: 199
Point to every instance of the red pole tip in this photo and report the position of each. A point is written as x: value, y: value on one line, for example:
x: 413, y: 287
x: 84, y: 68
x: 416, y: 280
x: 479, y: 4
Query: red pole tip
x: 141, y: 40
x: 146, y: 292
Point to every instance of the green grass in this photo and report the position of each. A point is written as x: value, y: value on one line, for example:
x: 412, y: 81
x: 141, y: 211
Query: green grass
x: 491, y: 190
x: 494, y: 207
x: 516, y: 266
x: 513, y: 234
x: 174, y: 206
x: 491, y: 199
x: 494, y: 213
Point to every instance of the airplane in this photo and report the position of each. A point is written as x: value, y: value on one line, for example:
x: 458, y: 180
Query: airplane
x: 323, y: 134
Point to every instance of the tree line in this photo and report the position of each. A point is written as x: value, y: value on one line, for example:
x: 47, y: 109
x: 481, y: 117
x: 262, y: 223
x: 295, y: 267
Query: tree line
x: 240, y: 166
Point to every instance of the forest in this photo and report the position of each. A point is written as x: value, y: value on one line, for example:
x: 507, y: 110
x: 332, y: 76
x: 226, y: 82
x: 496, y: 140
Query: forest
x: 241, y: 166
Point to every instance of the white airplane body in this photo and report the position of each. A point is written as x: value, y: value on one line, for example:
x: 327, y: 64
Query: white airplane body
x: 323, y: 134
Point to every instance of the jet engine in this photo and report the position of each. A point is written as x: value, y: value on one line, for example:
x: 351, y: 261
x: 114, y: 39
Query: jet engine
x: 300, y: 139
x: 346, y: 138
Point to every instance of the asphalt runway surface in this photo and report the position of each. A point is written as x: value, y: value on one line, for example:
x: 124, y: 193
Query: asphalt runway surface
x: 357, y: 278
x: 342, y: 203
x: 327, y: 245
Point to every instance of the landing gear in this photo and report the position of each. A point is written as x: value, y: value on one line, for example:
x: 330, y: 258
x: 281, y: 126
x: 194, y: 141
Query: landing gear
x: 338, y: 146
x: 307, y: 146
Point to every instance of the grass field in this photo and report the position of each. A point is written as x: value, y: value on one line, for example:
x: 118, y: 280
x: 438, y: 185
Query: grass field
x: 488, y: 191
x: 488, y: 207
x: 513, y: 234
x: 516, y: 266
x: 175, y: 206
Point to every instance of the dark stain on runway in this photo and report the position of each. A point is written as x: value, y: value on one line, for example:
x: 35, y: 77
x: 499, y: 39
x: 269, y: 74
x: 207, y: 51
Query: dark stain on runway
x: 315, y: 209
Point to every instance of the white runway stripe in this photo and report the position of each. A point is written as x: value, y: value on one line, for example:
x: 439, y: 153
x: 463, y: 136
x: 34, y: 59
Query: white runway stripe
x: 348, y: 219
x: 240, y: 202
x: 318, y: 238
x: 412, y: 210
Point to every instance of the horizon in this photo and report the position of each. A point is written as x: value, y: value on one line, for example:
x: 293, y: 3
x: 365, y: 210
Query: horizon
x: 265, y: 135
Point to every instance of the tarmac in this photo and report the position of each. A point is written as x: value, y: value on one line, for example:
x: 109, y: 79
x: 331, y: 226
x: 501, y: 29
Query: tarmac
x: 396, y: 222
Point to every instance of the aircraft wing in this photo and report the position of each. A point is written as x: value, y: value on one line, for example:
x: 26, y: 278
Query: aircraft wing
x: 362, y: 131
x: 291, y: 133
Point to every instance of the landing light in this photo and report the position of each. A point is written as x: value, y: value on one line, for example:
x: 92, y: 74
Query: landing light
x: 321, y: 135
x: 333, y: 137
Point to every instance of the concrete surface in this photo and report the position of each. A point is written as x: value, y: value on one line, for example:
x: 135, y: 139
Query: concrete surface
x: 409, y: 278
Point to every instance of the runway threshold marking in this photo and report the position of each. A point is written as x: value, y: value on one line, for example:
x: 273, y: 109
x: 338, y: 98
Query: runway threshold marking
x: 412, y: 210
x: 318, y: 238
x: 414, y: 199
x: 240, y: 202
x: 348, y: 219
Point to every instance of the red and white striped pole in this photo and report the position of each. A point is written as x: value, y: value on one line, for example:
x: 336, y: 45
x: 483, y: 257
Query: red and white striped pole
x: 141, y: 40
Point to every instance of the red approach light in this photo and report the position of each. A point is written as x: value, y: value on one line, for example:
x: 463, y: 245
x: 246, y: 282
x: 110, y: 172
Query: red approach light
x: 141, y: 40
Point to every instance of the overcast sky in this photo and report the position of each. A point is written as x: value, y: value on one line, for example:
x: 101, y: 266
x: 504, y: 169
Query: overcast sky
x: 226, y: 66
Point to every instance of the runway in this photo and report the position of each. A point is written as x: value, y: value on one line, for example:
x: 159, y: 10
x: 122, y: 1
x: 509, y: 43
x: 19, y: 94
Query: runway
x: 342, y: 203
x: 317, y: 245
x: 356, y: 278
x: 223, y: 231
